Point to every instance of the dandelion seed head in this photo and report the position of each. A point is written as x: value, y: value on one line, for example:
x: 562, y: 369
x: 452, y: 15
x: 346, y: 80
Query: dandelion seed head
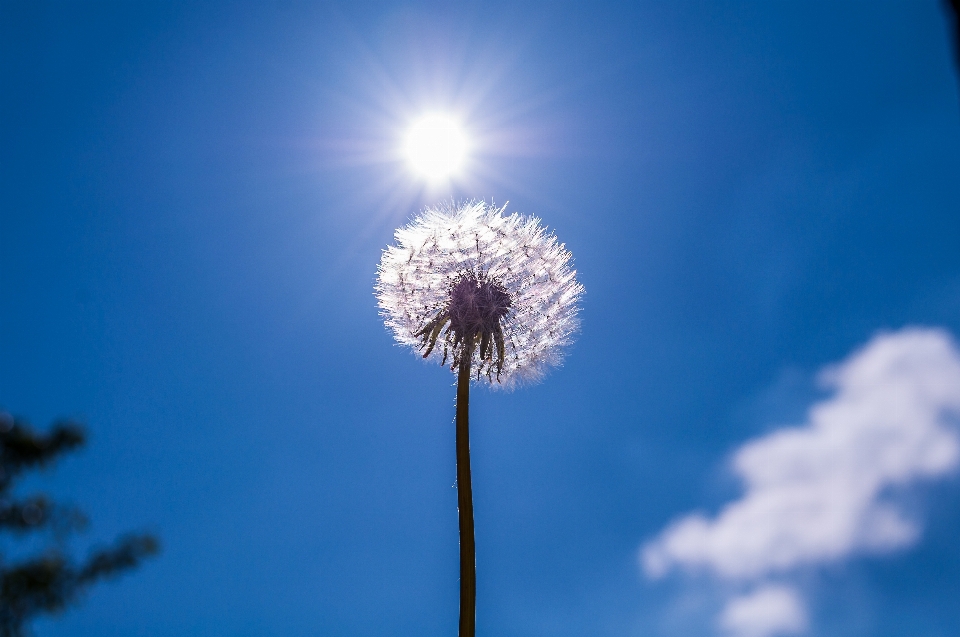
x: 469, y: 278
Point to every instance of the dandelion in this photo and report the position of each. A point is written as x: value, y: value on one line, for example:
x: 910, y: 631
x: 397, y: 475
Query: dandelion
x: 492, y: 295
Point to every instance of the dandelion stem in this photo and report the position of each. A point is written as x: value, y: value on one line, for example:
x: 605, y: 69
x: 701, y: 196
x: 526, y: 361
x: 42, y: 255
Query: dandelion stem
x: 468, y: 551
